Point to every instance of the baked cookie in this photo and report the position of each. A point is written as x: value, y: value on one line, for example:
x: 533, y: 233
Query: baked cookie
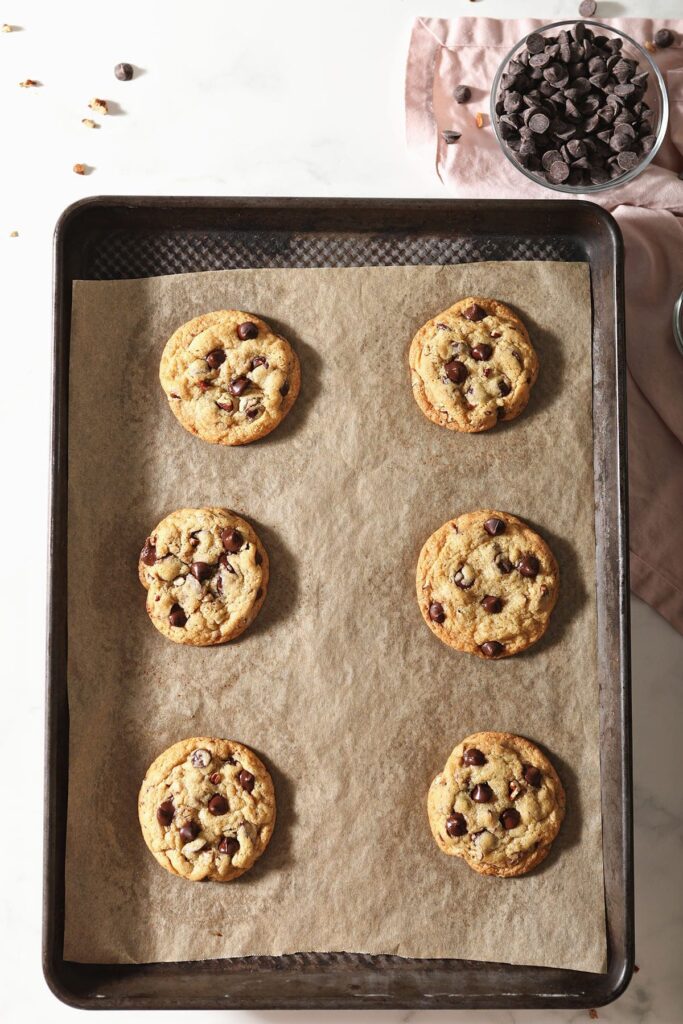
x: 206, y: 575
x: 228, y: 377
x: 487, y: 583
x: 207, y: 809
x: 473, y: 365
x: 498, y: 803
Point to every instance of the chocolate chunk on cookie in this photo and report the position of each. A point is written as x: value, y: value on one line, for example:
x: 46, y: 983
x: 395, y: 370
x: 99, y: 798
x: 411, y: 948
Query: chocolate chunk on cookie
x: 196, y: 817
x: 487, y: 584
x: 485, y: 811
x: 206, y: 576
x: 228, y: 377
x: 473, y: 365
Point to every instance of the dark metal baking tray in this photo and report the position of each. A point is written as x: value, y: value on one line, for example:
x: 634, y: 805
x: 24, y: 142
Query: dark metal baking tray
x: 111, y: 237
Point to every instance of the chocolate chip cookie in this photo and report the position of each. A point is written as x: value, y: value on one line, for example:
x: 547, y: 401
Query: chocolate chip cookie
x: 207, y: 809
x: 228, y: 377
x: 498, y: 803
x: 473, y: 365
x: 206, y: 575
x: 487, y: 583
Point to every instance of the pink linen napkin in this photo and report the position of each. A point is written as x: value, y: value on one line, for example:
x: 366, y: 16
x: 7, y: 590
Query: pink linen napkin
x: 649, y: 211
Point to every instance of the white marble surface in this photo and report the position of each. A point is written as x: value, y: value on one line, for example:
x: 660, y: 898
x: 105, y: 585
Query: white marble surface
x: 259, y: 98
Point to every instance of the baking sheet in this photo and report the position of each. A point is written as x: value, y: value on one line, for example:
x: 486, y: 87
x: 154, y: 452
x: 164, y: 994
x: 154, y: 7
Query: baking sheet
x: 338, y: 685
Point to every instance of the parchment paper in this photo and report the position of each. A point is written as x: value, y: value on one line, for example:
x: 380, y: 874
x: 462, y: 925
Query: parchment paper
x: 339, y: 685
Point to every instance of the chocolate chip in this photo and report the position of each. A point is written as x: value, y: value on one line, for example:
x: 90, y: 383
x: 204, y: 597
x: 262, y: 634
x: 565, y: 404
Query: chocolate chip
x: 494, y: 526
x: 201, y: 758
x: 216, y: 358
x: 436, y: 612
x: 492, y: 604
x: 232, y: 540
x: 587, y: 8
x: 247, y: 330
x: 482, y: 793
x: 218, y: 805
x: 535, y: 43
x: 532, y: 775
x: 257, y: 361
x: 229, y: 845
x: 492, y: 648
x: 215, y: 778
x: 474, y: 312
x: 165, y: 812
x: 238, y: 385
x: 558, y: 172
x: 627, y: 160
x: 482, y: 351
x: 148, y: 555
x: 456, y: 371
x: 473, y: 756
x: 254, y: 412
x: 202, y: 570
x: 189, y: 831
x: 510, y: 818
x: 124, y: 71
x: 226, y: 406
x: 528, y: 566
x: 284, y: 390
x: 462, y: 581
x: 177, y: 616
x: 456, y: 824
x: 462, y: 93
x: 246, y: 780
x: 503, y: 564
x: 449, y: 137
x: 223, y: 561
x: 664, y: 37
x: 504, y: 387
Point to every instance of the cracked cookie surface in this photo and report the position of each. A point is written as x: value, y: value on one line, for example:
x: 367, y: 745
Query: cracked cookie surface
x: 206, y: 575
x: 207, y: 809
x: 498, y: 804
x: 228, y: 377
x: 473, y: 365
x: 487, y: 584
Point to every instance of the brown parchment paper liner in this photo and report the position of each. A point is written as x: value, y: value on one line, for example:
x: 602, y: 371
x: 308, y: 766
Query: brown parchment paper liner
x: 338, y: 685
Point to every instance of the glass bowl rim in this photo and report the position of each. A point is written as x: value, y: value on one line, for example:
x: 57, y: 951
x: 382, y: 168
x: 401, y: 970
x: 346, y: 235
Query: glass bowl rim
x: 613, y: 182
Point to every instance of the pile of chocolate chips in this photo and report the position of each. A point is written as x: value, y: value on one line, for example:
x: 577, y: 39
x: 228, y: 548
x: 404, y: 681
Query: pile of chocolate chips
x: 571, y: 108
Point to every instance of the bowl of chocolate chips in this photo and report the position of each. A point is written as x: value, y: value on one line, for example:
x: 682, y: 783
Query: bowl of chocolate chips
x: 579, y: 107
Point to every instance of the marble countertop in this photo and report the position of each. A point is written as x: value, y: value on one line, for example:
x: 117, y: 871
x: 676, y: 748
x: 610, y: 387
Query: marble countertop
x: 237, y: 99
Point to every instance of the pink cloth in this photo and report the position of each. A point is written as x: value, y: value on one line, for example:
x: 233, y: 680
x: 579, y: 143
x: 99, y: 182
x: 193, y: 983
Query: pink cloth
x: 649, y: 211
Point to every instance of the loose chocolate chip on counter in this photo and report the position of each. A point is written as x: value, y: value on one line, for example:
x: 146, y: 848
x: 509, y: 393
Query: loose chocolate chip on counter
x: 492, y: 648
x: 229, y: 845
x: 587, y: 8
x: 124, y: 71
x: 189, y: 831
x: 218, y: 805
x: 177, y: 616
x: 528, y: 566
x: 216, y: 358
x: 246, y: 780
x: 148, y: 555
x: 215, y: 778
x: 257, y: 361
x: 436, y: 612
x: 532, y: 775
x: 202, y: 570
x: 664, y: 37
x: 474, y: 757
x: 482, y: 351
x: 165, y: 812
x: 494, y: 526
x: 449, y: 137
x: 456, y: 371
x: 201, y: 758
x: 510, y: 818
x: 462, y: 93
x: 492, y: 604
x: 474, y: 313
x: 232, y: 540
x: 456, y: 824
x: 238, y: 385
x: 482, y: 793
x: 247, y: 330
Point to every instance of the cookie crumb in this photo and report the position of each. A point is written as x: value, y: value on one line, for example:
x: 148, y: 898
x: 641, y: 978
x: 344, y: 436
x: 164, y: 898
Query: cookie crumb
x: 593, y: 1014
x: 650, y: 46
x: 29, y: 83
x: 6, y: 28
x: 99, y: 106
x: 636, y: 968
x: 89, y: 123
x: 14, y: 234
x: 479, y: 118
x: 79, y: 168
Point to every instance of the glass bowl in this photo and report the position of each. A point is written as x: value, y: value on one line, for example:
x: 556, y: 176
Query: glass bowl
x: 655, y: 97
